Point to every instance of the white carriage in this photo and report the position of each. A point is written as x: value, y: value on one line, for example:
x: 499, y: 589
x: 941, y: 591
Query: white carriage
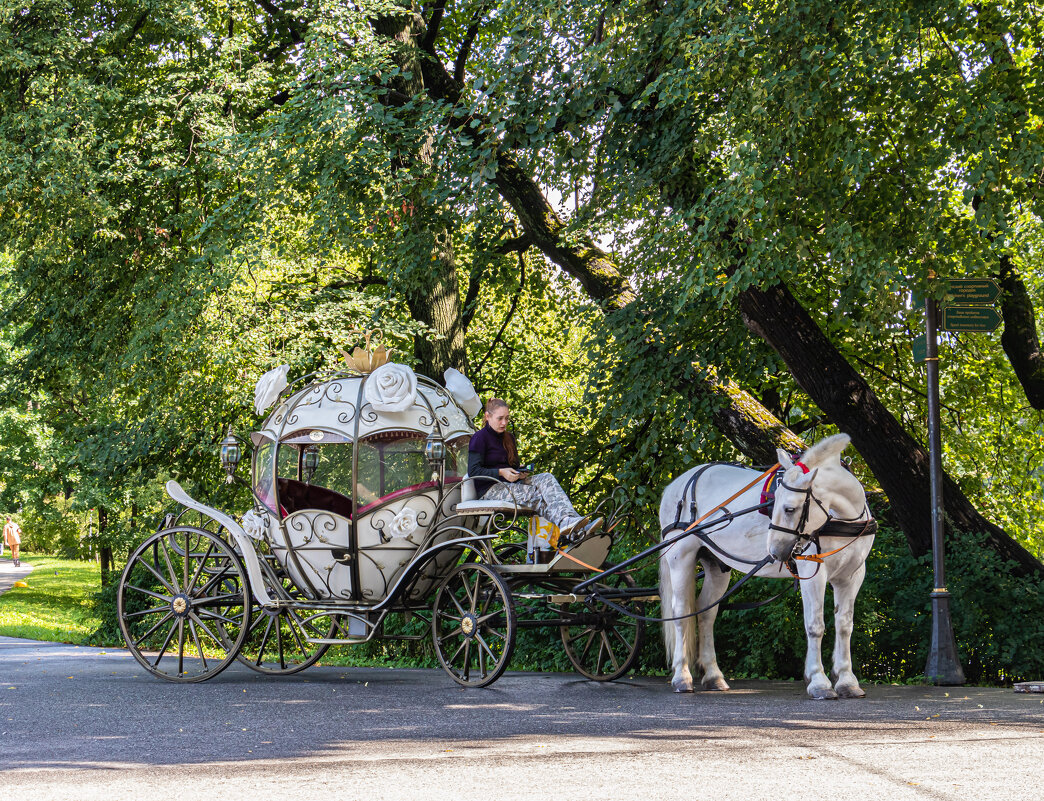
x: 362, y: 509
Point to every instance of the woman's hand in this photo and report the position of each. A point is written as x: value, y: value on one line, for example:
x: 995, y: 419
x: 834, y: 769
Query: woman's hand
x: 510, y: 474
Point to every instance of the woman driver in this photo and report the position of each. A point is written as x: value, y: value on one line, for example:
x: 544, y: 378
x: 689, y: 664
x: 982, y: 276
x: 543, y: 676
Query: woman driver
x: 492, y: 454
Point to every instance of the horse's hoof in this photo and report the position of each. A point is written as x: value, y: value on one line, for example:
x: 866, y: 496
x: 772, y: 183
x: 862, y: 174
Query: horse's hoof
x: 822, y: 694
x: 682, y: 686
x: 718, y: 684
x: 850, y: 691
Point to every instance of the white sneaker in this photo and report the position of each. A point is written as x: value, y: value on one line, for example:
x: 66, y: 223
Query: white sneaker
x: 575, y: 525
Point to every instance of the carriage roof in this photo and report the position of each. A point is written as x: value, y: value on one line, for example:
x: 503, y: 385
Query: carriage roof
x: 337, y: 407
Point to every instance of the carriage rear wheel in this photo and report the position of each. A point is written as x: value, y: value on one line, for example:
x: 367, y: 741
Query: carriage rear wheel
x: 602, y: 642
x: 473, y: 625
x: 183, y: 605
x: 277, y: 643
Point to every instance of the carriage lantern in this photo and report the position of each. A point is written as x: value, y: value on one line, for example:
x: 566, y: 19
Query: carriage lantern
x: 310, y: 463
x: 434, y: 449
x: 230, y: 453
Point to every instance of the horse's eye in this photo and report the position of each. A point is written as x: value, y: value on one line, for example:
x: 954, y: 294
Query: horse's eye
x: 789, y: 510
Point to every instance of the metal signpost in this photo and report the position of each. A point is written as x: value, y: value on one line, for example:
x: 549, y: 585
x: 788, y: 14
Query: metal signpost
x: 968, y: 310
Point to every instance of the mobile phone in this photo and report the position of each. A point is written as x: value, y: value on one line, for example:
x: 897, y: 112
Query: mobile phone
x: 526, y: 468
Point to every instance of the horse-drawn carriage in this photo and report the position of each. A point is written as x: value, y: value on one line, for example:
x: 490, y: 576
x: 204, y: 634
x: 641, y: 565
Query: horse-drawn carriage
x: 362, y: 511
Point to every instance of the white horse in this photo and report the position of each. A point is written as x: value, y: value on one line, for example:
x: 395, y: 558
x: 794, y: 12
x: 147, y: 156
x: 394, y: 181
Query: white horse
x: 814, y: 490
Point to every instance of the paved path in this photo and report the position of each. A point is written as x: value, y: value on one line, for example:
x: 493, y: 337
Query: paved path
x: 9, y: 574
x: 89, y: 723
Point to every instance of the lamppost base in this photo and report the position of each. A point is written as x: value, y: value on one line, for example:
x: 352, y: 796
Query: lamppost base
x: 943, y: 667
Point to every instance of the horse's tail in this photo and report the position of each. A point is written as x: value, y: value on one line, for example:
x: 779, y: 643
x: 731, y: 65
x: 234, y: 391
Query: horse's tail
x: 688, y: 625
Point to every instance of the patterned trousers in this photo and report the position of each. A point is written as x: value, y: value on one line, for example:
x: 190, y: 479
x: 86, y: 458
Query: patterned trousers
x: 541, y: 492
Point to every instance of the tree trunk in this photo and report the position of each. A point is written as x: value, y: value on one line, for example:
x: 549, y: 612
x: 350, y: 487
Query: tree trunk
x: 104, y: 549
x: 896, y: 459
x: 1020, y: 340
x: 433, y: 294
x: 748, y: 425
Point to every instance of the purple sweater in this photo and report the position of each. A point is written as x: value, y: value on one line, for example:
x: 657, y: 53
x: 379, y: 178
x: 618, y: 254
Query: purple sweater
x: 486, y: 455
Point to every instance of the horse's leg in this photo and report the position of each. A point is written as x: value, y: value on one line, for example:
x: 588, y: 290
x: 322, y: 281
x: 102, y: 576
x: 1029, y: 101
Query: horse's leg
x: 846, y: 684
x: 715, y: 583
x: 678, y: 577
x: 813, y: 591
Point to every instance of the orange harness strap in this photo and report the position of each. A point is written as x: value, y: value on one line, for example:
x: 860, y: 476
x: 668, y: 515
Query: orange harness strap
x: 730, y: 499
x: 819, y: 557
x: 694, y: 523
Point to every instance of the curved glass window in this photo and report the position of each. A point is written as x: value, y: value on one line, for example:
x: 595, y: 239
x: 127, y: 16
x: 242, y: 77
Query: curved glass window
x: 264, y: 474
x: 390, y: 463
x: 328, y: 488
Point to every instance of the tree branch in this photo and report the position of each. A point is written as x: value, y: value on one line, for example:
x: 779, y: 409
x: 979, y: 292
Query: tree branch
x: 508, y: 316
x: 431, y: 32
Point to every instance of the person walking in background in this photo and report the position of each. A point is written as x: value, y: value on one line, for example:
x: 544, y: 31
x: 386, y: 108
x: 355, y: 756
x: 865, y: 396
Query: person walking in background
x: 13, y: 538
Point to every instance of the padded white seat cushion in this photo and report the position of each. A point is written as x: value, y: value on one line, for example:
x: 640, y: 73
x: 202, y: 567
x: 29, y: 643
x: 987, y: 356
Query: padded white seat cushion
x: 483, y: 506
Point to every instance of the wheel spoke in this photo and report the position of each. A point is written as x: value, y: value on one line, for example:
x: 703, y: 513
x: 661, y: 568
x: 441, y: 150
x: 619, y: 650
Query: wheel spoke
x: 456, y: 603
x: 214, y: 580
x: 165, y: 607
x: 472, y: 592
x: 463, y: 642
x: 211, y: 615
x: 181, y: 644
x: 291, y: 620
x: 609, y: 651
x: 485, y: 647
x: 160, y: 578
x: 280, y: 650
x: 185, y: 560
x: 264, y: 639
x: 199, y: 569
x: 627, y: 644
x: 166, y: 642
x: 170, y: 567
x: 149, y: 592
x: 587, y: 645
x: 145, y: 636
x: 209, y: 633
x: 195, y: 639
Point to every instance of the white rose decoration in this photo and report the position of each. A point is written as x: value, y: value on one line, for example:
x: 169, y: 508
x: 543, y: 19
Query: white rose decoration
x: 269, y: 386
x: 391, y: 388
x: 255, y: 525
x: 403, y: 524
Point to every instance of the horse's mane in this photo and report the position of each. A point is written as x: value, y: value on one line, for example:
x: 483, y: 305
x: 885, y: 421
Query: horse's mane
x: 826, y: 451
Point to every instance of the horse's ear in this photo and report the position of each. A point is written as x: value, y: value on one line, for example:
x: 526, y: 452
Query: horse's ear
x: 784, y: 459
x: 805, y: 480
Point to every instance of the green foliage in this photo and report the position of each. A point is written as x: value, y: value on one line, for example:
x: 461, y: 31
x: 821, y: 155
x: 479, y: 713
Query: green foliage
x: 53, y: 606
x: 195, y: 192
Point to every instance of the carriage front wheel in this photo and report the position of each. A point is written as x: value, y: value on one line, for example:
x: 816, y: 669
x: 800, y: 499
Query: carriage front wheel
x: 602, y: 642
x: 473, y: 625
x: 182, y: 604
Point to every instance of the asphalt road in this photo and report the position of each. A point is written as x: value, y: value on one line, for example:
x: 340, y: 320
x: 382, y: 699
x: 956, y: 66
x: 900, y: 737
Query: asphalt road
x: 84, y: 723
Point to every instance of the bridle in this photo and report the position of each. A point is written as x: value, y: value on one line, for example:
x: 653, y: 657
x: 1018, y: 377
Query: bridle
x: 839, y: 527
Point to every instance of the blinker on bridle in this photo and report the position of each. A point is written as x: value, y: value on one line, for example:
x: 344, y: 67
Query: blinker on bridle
x: 798, y: 531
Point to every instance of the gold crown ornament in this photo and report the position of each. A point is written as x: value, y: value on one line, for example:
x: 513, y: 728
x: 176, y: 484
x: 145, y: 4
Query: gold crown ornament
x: 369, y: 356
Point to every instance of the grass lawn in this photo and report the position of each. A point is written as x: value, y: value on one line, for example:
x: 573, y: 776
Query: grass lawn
x: 52, y: 606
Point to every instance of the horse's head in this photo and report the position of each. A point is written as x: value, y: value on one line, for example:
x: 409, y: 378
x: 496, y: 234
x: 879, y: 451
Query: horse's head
x: 814, y: 489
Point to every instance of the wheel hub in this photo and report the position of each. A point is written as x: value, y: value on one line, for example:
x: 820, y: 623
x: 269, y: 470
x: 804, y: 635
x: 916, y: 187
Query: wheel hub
x: 469, y: 625
x: 180, y: 605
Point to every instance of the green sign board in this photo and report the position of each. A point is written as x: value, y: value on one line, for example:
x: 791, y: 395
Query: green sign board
x: 972, y: 291
x: 920, y: 348
x: 969, y: 318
